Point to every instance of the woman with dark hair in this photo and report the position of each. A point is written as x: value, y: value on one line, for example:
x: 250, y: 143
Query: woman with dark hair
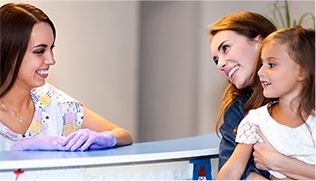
x: 34, y: 115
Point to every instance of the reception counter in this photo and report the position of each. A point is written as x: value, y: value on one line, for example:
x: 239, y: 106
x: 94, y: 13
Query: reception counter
x: 178, y: 159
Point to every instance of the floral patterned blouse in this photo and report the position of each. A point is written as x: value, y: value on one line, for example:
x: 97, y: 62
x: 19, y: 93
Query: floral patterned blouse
x: 56, y: 113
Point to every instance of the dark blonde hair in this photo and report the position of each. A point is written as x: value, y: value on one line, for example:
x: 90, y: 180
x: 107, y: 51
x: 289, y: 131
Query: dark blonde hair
x: 250, y: 25
x: 300, y: 45
x: 16, y: 22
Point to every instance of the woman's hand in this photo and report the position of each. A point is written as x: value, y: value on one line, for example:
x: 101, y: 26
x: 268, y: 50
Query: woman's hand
x: 84, y: 139
x: 265, y: 156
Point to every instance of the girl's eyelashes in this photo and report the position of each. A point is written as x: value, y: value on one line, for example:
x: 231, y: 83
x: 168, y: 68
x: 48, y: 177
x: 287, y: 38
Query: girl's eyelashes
x: 267, y: 64
x: 271, y: 65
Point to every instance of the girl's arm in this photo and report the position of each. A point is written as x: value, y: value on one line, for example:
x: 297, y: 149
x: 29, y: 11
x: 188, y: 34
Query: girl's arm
x: 236, y: 164
x: 267, y: 158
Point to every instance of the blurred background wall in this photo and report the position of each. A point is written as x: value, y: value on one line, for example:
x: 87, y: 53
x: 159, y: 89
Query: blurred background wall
x: 145, y: 65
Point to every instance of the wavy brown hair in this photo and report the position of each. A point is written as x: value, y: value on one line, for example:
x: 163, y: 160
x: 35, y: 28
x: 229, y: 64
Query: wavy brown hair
x: 16, y: 24
x: 250, y: 25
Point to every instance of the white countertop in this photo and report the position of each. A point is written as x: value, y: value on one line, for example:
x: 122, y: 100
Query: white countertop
x: 190, y: 147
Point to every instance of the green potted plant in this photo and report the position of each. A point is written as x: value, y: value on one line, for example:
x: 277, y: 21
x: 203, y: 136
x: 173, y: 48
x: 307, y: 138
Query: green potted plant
x: 283, y: 19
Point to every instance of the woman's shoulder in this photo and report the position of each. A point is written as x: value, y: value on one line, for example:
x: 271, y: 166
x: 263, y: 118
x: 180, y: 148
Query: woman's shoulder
x: 238, y: 104
x: 235, y: 112
x: 236, y: 109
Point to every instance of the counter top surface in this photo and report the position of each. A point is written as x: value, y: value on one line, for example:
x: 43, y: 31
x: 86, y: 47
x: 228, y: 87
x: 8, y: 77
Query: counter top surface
x: 189, y: 147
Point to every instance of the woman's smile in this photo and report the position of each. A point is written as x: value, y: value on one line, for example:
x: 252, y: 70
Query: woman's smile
x: 43, y: 73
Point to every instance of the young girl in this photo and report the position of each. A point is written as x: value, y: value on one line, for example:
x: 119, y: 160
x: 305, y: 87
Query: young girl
x: 287, y: 76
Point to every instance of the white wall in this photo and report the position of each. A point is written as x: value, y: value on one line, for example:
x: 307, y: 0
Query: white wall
x: 168, y: 70
x: 144, y: 65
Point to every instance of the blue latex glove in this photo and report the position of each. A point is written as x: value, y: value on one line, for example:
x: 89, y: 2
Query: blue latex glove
x: 85, y: 139
x: 39, y: 143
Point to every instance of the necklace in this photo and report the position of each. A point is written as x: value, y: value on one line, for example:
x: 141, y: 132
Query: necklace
x: 19, y: 117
